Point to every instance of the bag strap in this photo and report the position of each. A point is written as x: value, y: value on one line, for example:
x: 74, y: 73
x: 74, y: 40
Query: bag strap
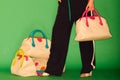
x: 69, y: 10
x: 85, y: 13
x: 96, y: 12
x: 22, y: 54
x: 43, y: 35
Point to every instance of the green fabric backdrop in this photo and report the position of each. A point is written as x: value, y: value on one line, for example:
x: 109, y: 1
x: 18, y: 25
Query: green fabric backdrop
x: 19, y: 17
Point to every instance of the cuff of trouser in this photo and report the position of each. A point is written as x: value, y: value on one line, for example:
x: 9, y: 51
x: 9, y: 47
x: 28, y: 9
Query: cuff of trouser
x: 53, y: 72
x: 86, y: 70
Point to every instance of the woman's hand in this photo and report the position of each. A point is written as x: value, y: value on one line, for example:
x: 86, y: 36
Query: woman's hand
x: 90, y: 5
x: 60, y: 1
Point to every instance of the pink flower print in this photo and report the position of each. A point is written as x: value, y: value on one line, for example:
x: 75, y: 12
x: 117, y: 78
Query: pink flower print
x: 39, y: 39
x: 36, y: 63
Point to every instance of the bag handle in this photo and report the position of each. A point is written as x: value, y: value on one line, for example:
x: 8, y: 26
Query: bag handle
x: 22, y: 54
x: 85, y: 13
x: 96, y: 12
x: 44, y: 36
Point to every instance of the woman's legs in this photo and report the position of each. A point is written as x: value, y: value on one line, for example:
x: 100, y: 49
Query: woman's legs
x: 87, y: 56
x: 87, y: 47
x: 60, y: 40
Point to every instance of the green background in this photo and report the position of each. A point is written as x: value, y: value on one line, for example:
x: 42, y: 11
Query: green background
x: 19, y: 17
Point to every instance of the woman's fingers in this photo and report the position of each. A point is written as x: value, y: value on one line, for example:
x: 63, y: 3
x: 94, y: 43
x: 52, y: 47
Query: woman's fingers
x: 60, y: 1
x: 90, y: 5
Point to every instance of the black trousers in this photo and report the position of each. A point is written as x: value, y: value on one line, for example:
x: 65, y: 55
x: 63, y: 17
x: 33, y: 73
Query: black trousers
x: 60, y: 39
